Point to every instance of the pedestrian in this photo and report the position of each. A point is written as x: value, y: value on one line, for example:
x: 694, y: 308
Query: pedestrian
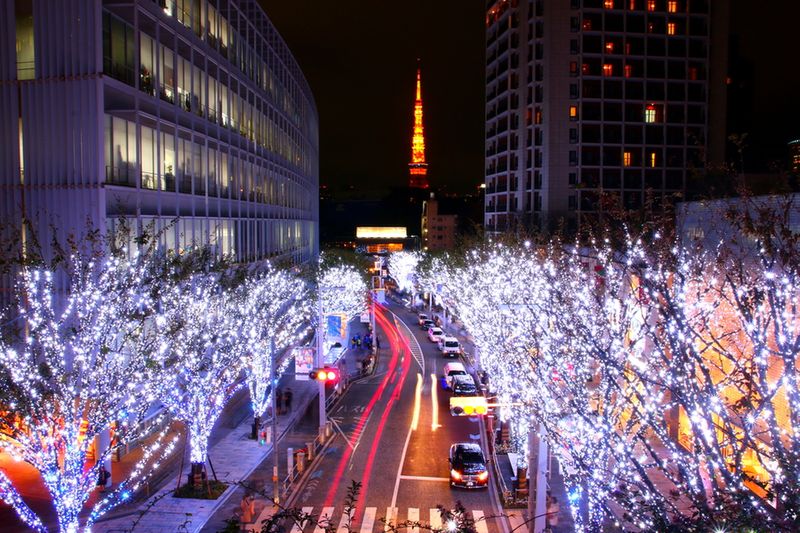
x: 248, y: 508
x: 353, y: 342
x: 287, y: 400
x: 279, y: 402
x: 553, y: 509
x: 102, y: 477
x: 377, y: 342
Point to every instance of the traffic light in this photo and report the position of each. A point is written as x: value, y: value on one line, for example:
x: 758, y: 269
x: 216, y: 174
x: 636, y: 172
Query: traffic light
x: 325, y: 375
x: 468, y: 405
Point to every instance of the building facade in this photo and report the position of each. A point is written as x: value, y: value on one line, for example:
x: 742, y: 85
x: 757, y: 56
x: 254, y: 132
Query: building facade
x: 596, y: 103
x: 438, y: 229
x: 188, y: 118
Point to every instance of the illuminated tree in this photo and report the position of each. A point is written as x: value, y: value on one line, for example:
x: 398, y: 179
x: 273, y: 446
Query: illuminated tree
x: 206, y: 347
x: 403, y: 268
x: 276, y: 312
x: 86, y: 364
x: 343, y: 290
x: 609, y: 349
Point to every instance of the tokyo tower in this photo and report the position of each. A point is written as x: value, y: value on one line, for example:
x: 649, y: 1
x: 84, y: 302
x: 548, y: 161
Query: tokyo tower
x: 418, y: 168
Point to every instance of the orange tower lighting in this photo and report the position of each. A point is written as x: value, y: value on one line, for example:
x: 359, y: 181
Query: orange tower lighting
x: 418, y: 168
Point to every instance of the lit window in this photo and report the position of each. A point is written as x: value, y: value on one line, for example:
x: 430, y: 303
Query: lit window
x: 628, y: 71
x: 670, y: 28
x: 587, y: 24
x: 672, y: 6
x: 608, y: 69
x: 632, y: 5
x: 693, y: 73
x: 573, y: 68
x: 585, y: 69
x: 610, y: 47
x: 651, y: 5
x: 651, y: 27
x: 652, y: 159
x: 573, y: 112
x: 608, y: 4
x: 651, y: 113
x: 538, y: 116
x: 627, y: 159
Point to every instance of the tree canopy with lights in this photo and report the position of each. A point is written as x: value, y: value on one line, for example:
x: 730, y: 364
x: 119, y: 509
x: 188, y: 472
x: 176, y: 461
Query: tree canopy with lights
x: 85, y: 363
x: 403, y: 267
x: 276, y: 308
x: 206, y: 347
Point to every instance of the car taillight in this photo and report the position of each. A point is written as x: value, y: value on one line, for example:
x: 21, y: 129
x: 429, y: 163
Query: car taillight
x: 455, y: 474
x: 483, y: 476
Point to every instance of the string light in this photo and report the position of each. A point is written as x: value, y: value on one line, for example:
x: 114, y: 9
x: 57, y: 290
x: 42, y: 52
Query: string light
x: 80, y: 371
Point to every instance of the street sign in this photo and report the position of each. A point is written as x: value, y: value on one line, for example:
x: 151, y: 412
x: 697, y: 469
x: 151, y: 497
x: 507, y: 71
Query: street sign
x: 303, y: 362
x: 365, y: 317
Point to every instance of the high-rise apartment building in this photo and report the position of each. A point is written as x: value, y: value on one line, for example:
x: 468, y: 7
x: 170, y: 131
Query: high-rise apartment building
x: 599, y: 103
x: 188, y: 117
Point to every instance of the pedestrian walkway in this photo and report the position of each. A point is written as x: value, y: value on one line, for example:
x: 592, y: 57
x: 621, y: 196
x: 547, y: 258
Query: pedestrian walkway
x: 234, y: 457
x: 377, y: 520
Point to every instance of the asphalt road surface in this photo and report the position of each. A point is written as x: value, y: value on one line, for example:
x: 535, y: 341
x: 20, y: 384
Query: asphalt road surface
x: 393, y: 433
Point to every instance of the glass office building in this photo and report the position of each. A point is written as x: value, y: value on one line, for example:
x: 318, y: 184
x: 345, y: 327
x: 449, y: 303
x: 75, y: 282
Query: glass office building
x: 187, y: 118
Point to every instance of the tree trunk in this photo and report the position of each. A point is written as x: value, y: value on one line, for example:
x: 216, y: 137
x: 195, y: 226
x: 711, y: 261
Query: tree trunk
x: 197, y: 475
x: 256, y: 425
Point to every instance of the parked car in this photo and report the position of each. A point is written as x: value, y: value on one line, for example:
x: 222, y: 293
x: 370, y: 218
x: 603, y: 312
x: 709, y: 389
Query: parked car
x: 427, y: 324
x: 463, y: 385
x: 450, y: 346
x: 422, y: 317
x: 451, y: 370
x: 468, y: 466
x: 434, y: 334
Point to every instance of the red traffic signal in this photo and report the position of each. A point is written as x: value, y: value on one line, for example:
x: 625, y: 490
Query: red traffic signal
x: 325, y: 375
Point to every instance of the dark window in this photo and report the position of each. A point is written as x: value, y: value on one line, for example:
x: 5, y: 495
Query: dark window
x: 655, y: 69
x: 590, y: 155
x: 634, y: 90
x: 654, y: 134
x: 633, y: 178
x: 590, y: 133
x: 611, y: 178
x: 612, y: 89
x: 591, y: 89
x: 611, y: 156
x: 591, y: 111
x: 612, y: 112
x: 655, y: 90
x: 612, y: 133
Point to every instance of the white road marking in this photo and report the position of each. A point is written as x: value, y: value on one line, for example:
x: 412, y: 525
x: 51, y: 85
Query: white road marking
x: 295, y: 527
x: 324, y: 518
x: 425, y: 478
x: 339, y: 429
x: 369, y: 519
x: 391, y: 518
x: 413, y: 516
x: 480, y: 521
x: 436, y: 519
x: 343, y: 523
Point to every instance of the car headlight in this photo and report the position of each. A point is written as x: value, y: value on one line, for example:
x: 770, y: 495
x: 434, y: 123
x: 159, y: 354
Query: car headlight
x: 455, y: 474
x: 483, y: 476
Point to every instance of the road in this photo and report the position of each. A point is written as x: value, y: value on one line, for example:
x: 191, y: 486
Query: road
x: 393, y: 433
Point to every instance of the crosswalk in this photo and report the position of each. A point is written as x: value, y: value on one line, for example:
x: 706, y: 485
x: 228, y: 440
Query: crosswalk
x: 414, y: 520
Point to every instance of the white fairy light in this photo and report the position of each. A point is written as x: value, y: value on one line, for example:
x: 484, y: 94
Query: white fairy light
x: 81, y: 371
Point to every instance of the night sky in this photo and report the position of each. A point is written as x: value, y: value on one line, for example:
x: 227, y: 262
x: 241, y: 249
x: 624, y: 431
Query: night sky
x: 360, y: 60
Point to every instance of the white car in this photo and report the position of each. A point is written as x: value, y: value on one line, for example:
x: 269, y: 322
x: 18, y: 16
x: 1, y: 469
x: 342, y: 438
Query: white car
x: 422, y: 317
x: 449, y: 346
x: 434, y: 334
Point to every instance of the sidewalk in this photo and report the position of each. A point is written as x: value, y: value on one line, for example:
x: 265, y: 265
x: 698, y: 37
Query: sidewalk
x: 234, y: 457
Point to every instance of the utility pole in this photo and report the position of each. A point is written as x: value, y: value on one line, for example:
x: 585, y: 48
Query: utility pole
x: 276, y: 490
x: 320, y: 363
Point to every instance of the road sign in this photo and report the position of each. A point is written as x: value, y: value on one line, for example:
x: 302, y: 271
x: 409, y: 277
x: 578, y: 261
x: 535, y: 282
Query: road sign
x: 303, y: 362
